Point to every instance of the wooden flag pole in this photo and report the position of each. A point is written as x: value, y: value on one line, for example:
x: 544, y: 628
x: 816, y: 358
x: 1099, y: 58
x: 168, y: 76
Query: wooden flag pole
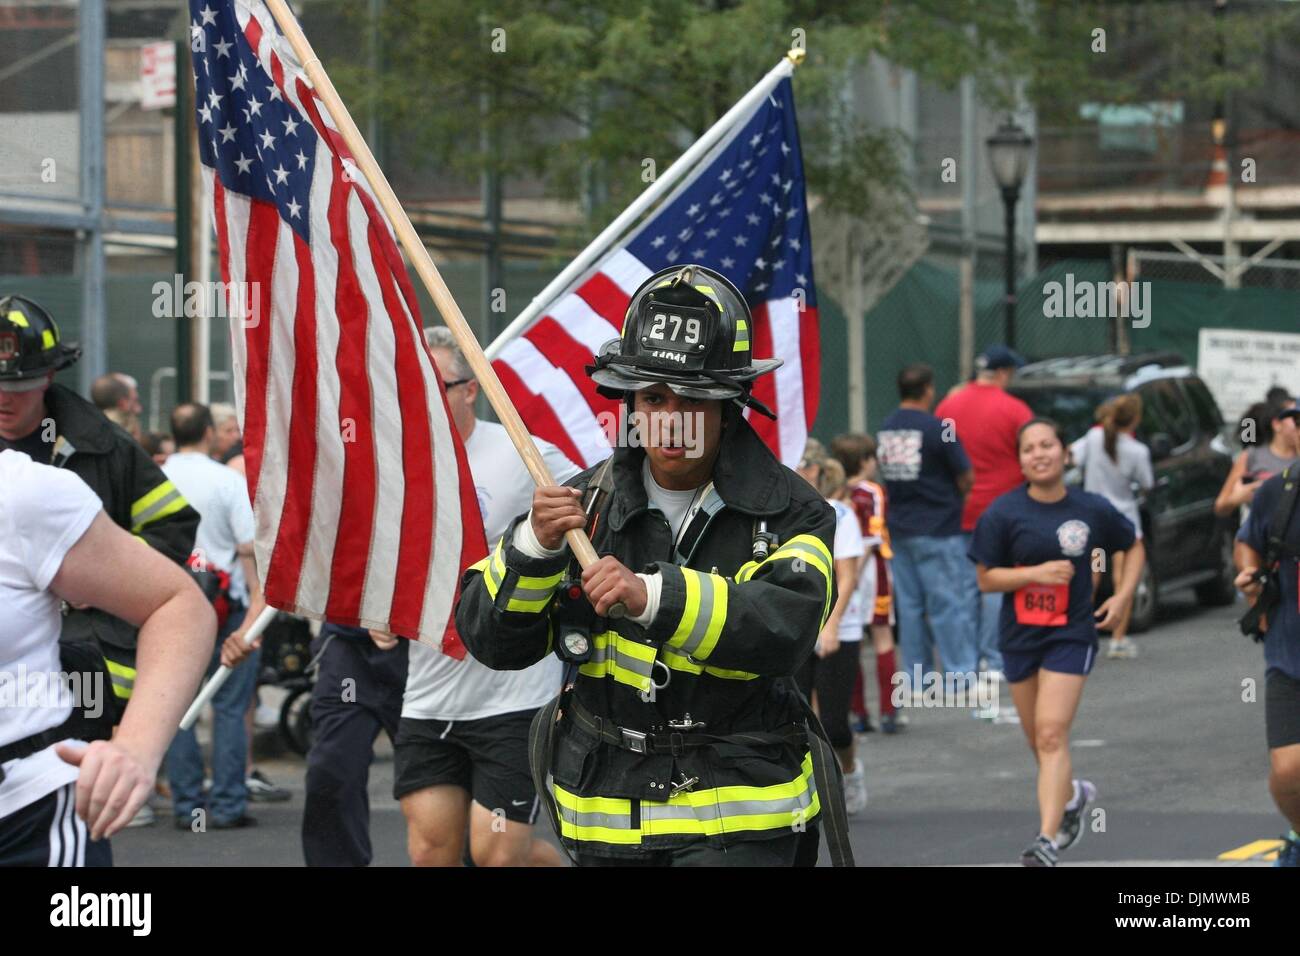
x: 424, y: 267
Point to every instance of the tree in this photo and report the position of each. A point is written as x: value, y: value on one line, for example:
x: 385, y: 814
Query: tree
x: 581, y: 92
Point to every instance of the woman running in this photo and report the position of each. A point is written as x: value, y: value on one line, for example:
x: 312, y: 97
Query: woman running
x: 1037, y: 544
x: 1113, y: 461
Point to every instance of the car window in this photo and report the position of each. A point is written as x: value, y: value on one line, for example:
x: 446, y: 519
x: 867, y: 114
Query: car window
x: 1070, y: 407
x: 1163, y: 410
x: 1208, y: 416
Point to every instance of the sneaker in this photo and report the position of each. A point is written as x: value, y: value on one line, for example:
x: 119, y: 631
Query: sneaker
x: 238, y: 823
x: 1289, y: 854
x: 262, y: 790
x: 1042, y: 852
x: 890, y: 724
x: 858, y: 723
x: 855, y: 791
x: 1122, y: 650
x: 144, y: 817
x: 1072, y: 823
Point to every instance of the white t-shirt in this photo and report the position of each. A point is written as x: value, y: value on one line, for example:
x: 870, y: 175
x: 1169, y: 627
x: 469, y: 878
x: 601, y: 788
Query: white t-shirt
x: 675, y: 505
x: 849, y: 544
x: 220, y: 495
x: 439, y: 687
x: 1114, y: 479
x: 43, y: 512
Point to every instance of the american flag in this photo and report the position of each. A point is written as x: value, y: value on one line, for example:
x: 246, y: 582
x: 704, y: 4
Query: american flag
x: 741, y: 211
x: 365, y: 509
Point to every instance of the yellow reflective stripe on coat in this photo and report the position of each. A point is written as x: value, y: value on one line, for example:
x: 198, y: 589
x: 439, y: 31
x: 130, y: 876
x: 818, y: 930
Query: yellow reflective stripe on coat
x: 528, y: 595
x: 162, y: 501
x: 807, y: 548
x: 123, y: 679
x: 703, y: 813
x: 680, y: 662
x: 704, y: 615
x: 595, y: 819
x: 627, y: 661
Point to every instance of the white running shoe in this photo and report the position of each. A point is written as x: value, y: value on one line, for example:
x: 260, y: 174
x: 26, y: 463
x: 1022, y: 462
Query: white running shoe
x: 855, y: 791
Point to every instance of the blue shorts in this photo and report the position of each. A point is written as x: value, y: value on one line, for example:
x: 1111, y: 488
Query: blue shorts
x: 1064, y: 657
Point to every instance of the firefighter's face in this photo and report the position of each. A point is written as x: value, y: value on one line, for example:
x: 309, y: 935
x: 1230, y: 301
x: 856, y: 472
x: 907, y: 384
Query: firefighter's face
x: 21, y: 412
x: 680, y: 435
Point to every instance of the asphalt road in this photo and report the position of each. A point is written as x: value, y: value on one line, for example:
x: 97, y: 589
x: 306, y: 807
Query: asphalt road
x: 1178, y: 757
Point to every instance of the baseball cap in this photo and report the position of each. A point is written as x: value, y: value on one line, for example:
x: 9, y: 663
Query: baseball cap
x: 999, y: 356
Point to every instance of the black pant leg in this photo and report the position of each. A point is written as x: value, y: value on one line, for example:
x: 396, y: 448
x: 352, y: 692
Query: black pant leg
x: 336, y: 809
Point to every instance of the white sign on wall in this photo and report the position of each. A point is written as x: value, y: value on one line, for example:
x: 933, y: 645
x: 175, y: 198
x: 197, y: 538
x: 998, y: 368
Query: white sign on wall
x: 1241, y: 366
x: 157, y: 75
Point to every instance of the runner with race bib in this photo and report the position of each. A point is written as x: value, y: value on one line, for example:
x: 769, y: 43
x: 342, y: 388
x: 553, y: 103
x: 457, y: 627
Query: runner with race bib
x: 1038, y: 544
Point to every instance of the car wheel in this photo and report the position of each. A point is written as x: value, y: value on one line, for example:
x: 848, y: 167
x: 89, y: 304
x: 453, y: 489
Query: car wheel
x: 295, y: 720
x: 1145, y: 601
x: 1221, y: 591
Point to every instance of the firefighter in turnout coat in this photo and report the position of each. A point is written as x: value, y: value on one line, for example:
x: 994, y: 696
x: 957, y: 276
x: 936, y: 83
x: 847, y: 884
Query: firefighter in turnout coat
x: 680, y: 737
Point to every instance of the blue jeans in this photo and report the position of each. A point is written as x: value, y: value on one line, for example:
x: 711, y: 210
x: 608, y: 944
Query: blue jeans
x: 987, y: 609
x: 933, y: 604
x: 184, y: 758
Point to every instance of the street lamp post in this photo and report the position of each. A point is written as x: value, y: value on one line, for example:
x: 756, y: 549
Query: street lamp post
x: 1009, y: 150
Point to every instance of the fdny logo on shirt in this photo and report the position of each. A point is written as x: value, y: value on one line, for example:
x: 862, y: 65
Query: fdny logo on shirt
x: 1073, y: 538
x: 900, y: 454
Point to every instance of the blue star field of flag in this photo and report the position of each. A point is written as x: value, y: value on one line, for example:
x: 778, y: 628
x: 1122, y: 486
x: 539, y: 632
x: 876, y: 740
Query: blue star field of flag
x: 745, y: 214
x: 259, y: 144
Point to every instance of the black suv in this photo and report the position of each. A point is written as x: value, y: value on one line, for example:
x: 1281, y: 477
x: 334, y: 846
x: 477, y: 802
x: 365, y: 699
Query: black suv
x: 1187, y: 546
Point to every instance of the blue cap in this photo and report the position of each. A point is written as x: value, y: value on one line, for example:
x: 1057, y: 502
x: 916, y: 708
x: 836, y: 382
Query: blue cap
x: 999, y: 356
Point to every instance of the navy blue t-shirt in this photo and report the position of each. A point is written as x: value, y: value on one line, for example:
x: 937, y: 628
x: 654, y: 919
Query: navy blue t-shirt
x: 920, y: 472
x: 1282, y: 642
x: 1016, y: 531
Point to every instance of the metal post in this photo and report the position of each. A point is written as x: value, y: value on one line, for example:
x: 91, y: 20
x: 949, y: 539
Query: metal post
x: 968, y: 172
x: 184, y: 123
x: 1009, y: 197
x: 90, y: 55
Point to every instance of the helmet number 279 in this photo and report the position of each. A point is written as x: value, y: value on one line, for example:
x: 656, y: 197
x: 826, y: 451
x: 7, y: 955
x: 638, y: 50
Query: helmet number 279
x: 660, y: 322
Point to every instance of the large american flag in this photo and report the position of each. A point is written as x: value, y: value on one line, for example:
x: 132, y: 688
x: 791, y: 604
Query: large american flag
x: 366, y: 513
x: 741, y: 211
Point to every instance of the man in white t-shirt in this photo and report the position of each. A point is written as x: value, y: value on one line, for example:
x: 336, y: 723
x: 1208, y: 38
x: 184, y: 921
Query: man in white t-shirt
x: 461, y: 755
x: 61, y: 800
x: 223, y: 543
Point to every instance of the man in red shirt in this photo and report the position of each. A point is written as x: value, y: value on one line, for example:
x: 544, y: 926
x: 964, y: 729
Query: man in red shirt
x: 986, y: 418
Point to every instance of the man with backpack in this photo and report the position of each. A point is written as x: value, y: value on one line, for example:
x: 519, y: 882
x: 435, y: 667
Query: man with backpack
x: 1268, y: 559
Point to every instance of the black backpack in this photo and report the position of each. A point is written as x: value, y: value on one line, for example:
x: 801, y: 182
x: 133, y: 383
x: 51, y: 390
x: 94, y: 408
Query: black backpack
x: 1254, y: 623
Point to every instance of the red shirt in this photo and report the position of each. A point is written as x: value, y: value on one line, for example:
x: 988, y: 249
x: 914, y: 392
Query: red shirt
x: 986, y: 419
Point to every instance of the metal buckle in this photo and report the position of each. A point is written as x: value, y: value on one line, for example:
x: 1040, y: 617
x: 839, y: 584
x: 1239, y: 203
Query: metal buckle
x: 633, y: 739
x: 684, y: 785
x: 687, y: 724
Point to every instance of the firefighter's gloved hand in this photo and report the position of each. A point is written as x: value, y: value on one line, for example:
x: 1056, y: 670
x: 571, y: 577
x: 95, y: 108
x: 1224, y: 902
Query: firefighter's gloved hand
x: 608, y: 581
x: 555, y: 511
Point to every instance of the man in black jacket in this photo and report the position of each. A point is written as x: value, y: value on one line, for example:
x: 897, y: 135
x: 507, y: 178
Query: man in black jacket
x: 56, y: 426
x: 681, y: 738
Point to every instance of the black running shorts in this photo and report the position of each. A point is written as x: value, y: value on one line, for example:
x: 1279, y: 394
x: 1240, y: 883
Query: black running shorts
x: 488, y: 758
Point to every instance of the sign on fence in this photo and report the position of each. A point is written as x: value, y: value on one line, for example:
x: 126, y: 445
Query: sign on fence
x: 1241, y: 366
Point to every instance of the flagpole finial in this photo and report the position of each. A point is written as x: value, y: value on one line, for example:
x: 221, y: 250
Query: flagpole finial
x: 796, y: 55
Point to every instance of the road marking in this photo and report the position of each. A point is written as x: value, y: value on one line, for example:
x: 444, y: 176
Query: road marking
x: 1087, y: 743
x: 1259, y: 849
